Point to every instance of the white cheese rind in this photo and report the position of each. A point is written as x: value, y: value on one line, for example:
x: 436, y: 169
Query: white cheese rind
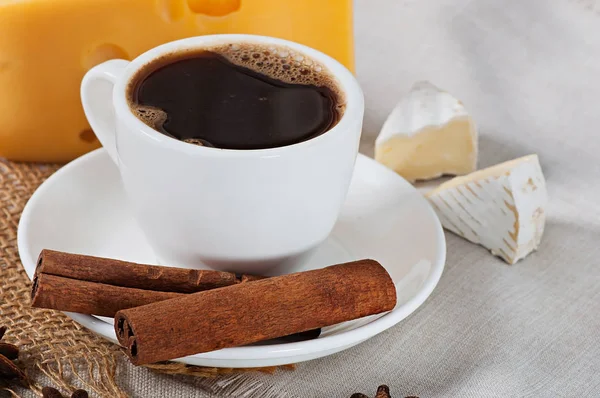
x: 501, y: 208
x: 424, y: 105
x: 428, y: 134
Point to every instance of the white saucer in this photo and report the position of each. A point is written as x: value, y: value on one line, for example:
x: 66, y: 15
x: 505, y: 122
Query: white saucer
x: 82, y: 209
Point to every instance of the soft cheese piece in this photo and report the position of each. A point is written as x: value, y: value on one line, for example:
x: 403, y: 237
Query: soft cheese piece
x: 501, y: 208
x: 46, y: 46
x: 428, y: 134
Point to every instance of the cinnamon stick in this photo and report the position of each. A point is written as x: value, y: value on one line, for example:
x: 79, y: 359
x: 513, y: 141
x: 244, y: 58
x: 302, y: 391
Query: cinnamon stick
x: 73, y: 295
x: 103, y: 286
x: 139, y: 276
x: 246, y: 313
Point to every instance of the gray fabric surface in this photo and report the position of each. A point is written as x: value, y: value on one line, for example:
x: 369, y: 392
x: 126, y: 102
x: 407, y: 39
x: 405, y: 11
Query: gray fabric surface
x: 529, y: 72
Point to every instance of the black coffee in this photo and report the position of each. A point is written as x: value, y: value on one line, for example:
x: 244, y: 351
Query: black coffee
x: 237, y: 97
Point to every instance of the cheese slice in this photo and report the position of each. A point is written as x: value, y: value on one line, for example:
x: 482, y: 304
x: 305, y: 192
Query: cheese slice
x: 428, y: 134
x: 501, y: 208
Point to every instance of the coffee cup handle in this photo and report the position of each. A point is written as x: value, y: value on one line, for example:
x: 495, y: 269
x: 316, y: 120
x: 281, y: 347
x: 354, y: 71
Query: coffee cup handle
x: 96, y: 98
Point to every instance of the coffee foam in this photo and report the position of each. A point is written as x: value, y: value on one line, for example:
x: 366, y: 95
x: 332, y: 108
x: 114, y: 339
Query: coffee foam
x: 153, y: 117
x: 198, y: 142
x: 281, y: 63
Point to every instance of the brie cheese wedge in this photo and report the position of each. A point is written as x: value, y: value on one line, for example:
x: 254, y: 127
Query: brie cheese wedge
x: 501, y: 208
x: 428, y: 134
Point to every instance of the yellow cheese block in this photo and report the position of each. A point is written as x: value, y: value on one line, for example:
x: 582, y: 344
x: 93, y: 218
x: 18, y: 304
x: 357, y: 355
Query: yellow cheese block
x: 46, y: 46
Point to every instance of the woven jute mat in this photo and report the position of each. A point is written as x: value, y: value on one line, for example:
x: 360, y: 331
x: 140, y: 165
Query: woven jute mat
x: 54, y: 347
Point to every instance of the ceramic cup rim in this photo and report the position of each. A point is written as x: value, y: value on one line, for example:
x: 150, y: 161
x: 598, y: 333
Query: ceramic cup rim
x: 344, y: 79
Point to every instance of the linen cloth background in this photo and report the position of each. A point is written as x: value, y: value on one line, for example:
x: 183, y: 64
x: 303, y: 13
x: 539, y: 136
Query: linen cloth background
x: 529, y: 73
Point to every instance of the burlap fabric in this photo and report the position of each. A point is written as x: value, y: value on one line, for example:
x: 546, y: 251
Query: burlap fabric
x: 54, y: 349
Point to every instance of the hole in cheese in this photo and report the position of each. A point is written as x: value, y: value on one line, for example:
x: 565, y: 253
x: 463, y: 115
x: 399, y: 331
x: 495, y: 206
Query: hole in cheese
x: 101, y: 53
x: 170, y: 10
x: 88, y: 135
x: 214, y: 8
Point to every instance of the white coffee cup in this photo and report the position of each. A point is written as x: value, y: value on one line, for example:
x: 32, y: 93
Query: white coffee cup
x: 235, y: 210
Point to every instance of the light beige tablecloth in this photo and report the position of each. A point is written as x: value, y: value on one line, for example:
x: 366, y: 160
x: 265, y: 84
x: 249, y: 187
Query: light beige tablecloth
x: 529, y: 72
